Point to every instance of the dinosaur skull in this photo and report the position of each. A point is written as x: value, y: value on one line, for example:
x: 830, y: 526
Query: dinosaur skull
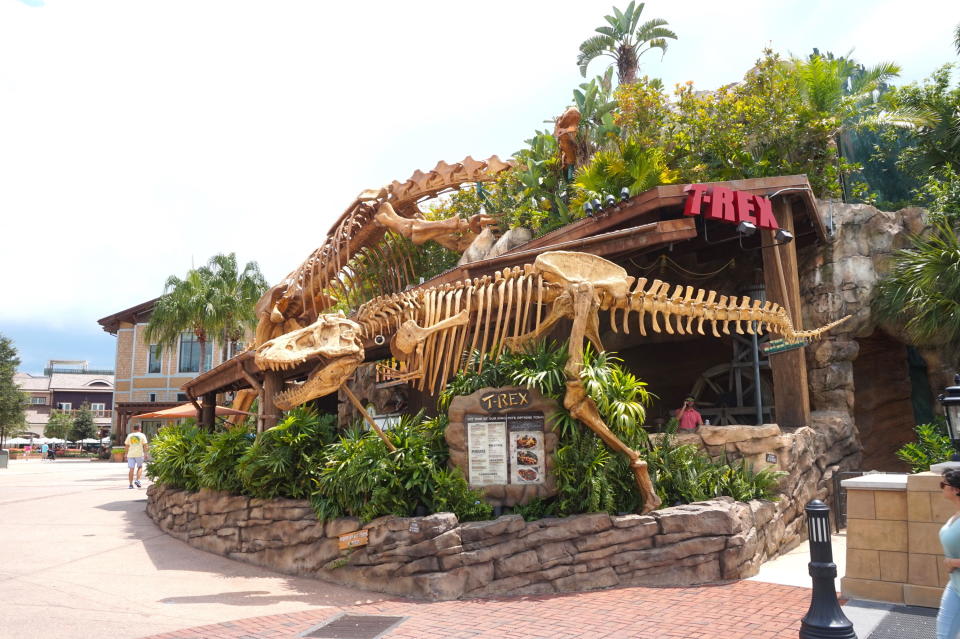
x: 332, y: 341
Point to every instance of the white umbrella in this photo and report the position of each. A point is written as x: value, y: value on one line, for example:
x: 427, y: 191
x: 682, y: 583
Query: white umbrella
x: 89, y: 440
x: 17, y: 441
x: 54, y: 440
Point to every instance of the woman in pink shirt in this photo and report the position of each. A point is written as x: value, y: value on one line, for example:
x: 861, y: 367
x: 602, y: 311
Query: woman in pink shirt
x: 688, y: 416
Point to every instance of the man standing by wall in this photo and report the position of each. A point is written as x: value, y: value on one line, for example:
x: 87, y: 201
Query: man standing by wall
x: 135, y: 448
x: 688, y: 416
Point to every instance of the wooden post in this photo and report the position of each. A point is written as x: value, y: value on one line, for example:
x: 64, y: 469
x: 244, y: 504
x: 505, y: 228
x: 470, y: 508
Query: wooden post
x: 208, y: 411
x: 270, y: 414
x: 790, y: 387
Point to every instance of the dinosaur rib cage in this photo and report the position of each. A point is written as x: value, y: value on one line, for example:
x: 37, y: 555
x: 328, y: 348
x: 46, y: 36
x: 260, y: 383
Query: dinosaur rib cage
x: 356, y: 233
x: 515, y: 301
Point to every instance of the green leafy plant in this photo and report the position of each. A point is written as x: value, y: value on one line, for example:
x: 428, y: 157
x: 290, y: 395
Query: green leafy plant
x: 933, y: 446
x: 219, y: 464
x: 362, y: 478
x: 285, y: 460
x: 175, y: 455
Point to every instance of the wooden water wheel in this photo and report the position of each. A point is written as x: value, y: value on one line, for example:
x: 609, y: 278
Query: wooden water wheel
x: 725, y: 392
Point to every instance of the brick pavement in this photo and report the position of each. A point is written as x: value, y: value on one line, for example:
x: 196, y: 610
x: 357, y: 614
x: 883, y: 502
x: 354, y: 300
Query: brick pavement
x: 739, y: 610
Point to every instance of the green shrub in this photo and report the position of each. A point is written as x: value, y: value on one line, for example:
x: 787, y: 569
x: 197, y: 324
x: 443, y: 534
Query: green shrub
x: 362, y: 478
x: 285, y: 460
x: 682, y: 474
x: 933, y: 446
x: 175, y: 455
x: 219, y: 464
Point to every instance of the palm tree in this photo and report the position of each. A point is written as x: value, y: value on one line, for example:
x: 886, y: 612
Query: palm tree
x: 842, y: 94
x: 215, y: 300
x: 956, y: 39
x: 625, y: 40
x: 922, y: 290
x: 235, y: 293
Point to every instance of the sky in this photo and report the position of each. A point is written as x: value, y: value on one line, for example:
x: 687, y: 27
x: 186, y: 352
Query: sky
x: 138, y: 138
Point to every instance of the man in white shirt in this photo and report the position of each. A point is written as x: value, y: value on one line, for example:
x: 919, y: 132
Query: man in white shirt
x: 135, y: 448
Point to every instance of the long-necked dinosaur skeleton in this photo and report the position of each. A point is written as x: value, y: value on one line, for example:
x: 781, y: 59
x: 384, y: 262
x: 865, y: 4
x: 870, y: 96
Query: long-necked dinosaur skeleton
x: 431, y: 330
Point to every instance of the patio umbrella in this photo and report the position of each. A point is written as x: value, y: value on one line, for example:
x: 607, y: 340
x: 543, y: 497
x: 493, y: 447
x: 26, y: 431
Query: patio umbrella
x: 17, y: 441
x: 187, y: 410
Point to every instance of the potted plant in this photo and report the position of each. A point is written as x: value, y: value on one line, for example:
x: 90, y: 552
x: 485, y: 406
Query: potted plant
x: 116, y: 453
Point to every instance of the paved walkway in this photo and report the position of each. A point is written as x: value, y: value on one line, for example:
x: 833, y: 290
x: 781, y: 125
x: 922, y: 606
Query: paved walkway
x: 82, y: 560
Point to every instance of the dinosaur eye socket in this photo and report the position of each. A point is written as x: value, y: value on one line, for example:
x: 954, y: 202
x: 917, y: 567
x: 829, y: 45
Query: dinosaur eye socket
x: 379, y: 340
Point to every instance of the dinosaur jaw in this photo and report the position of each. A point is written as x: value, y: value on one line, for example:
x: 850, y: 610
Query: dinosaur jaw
x: 332, y: 342
x: 325, y: 379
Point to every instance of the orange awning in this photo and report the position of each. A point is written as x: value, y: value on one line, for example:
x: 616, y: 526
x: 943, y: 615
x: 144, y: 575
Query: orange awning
x: 187, y: 410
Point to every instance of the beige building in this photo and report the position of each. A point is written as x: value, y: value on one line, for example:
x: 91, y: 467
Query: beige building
x: 148, y: 378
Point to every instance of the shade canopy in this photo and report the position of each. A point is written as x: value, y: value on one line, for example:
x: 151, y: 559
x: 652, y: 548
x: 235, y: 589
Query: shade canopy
x: 187, y: 410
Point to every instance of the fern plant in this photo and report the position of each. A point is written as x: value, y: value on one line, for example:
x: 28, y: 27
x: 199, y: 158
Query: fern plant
x: 176, y: 452
x: 219, y: 463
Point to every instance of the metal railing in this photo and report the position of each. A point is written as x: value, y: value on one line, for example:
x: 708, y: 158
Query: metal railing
x: 97, y: 414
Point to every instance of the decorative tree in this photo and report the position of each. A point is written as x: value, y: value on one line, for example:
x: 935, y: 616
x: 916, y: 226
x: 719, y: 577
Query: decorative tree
x: 59, y: 426
x: 625, y: 40
x: 12, y: 400
x: 83, y: 426
x: 215, y: 300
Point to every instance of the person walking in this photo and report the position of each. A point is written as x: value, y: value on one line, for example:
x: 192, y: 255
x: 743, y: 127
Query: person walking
x: 44, y: 449
x: 948, y: 619
x: 135, y: 448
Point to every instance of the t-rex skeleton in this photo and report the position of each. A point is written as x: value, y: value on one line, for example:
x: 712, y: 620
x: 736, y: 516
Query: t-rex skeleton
x: 431, y: 330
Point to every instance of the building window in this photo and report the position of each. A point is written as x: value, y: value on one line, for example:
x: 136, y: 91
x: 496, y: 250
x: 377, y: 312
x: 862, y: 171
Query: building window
x: 153, y: 365
x: 38, y: 400
x: 65, y: 406
x: 182, y: 397
x: 98, y: 406
x: 153, y: 397
x: 190, y: 353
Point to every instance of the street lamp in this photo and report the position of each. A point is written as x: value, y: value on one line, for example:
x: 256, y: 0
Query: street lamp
x: 951, y: 408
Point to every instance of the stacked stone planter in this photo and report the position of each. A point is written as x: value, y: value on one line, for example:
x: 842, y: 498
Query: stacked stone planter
x: 438, y: 557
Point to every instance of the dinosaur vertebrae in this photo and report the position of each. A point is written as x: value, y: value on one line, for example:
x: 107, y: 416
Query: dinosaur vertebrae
x: 513, y: 303
x: 303, y: 296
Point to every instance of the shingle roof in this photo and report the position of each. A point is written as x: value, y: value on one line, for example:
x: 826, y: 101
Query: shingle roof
x: 77, y: 381
x: 28, y: 382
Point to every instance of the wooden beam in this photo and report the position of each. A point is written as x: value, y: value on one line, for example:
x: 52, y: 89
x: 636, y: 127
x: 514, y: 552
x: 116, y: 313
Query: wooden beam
x: 208, y: 413
x: 790, y: 385
x: 272, y: 384
x: 366, y: 416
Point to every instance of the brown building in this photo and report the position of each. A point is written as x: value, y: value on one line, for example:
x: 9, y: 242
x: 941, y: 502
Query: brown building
x: 148, y: 378
x: 65, y: 386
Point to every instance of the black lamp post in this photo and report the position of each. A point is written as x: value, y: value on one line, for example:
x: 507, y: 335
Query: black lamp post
x: 951, y: 407
x: 824, y: 619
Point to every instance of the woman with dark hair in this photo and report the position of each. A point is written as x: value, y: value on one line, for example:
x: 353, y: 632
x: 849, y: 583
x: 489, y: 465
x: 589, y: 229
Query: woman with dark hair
x: 948, y: 620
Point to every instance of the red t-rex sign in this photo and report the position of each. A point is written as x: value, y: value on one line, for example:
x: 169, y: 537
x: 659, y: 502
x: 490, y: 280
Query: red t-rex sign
x: 728, y: 205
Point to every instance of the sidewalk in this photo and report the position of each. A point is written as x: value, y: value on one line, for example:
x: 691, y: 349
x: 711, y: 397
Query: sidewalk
x: 83, y: 561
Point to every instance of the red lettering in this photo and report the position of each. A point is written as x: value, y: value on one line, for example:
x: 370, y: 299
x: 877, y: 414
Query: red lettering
x: 721, y: 205
x: 765, y: 217
x: 743, y: 202
x: 694, y: 199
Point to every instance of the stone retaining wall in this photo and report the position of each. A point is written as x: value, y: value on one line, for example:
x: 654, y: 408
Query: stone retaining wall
x: 438, y: 557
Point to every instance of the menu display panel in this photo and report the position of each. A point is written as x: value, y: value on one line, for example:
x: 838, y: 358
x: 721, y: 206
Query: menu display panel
x: 487, y: 449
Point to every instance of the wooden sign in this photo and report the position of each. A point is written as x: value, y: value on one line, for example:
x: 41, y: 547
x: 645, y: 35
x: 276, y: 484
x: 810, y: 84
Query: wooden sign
x: 727, y: 205
x: 354, y: 539
x: 775, y: 346
x: 503, y: 399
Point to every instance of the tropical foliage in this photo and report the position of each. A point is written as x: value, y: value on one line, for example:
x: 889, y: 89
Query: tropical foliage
x: 922, y: 289
x: 83, y: 426
x: 933, y: 446
x: 215, y: 301
x: 624, y: 40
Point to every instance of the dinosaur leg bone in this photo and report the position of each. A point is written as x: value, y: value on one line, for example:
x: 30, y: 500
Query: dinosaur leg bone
x: 582, y: 406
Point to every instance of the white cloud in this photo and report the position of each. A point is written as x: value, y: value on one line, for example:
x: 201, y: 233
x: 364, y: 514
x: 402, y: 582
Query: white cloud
x: 138, y: 138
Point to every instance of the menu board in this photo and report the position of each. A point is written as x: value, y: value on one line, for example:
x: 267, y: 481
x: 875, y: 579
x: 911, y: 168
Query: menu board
x: 525, y: 433
x: 487, y: 448
x: 506, y: 449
